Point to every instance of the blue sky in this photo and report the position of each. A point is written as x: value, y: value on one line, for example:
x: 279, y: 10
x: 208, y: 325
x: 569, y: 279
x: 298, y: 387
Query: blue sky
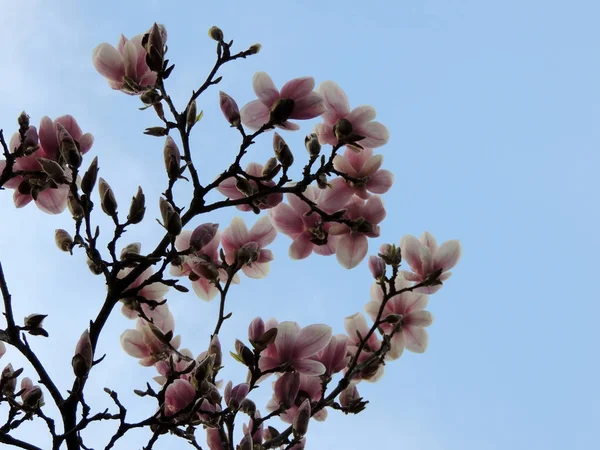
x: 493, y: 109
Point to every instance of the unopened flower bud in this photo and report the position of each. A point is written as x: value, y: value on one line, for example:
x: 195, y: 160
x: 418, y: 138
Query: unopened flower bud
x: 281, y: 110
x: 153, y: 42
x: 247, y: 406
x: 171, y: 218
x: 282, y: 151
x: 67, y: 147
x: 322, y: 181
x: 230, y: 109
x: 271, y: 168
x: 75, y: 207
x: 215, y: 33
x: 203, y: 370
x: 156, y: 131
x: 300, y: 424
x: 137, y: 208
x: 53, y: 170
x: 84, y: 354
x: 349, y: 396
x: 190, y: 115
x: 244, y: 353
x: 63, y: 240
x: 247, y: 254
x: 377, y: 267
x: 203, y: 234
x: 107, y: 198
x: 254, y: 49
x: 8, y: 380
x: 23, y: 120
x: 131, y: 249
x: 89, y: 178
x: 214, y: 350
x: 33, y: 398
x: 391, y: 254
x: 256, y: 329
x: 150, y: 97
x: 34, y: 320
x: 311, y: 142
x: 245, y: 443
x: 172, y: 157
x: 95, y: 268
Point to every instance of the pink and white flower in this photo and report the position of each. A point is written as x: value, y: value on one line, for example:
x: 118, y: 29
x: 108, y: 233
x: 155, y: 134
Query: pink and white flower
x: 356, y: 327
x: 178, y: 395
x: 291, y: 389
x: 296, y: 100
x: 364, y: 165
x: 154, y: 291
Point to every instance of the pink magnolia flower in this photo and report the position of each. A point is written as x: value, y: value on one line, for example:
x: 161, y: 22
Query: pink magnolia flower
x: 248, y: 247
x: 335, y: 356
x: 411, y: 333
x: 296, y: 100
x: 179, y: 364
x: 294, y: 347
x: 50, y: 196
x: 128, y: 59
x: 367, y: 166
x: 154, y: 291
x: 360, y: 119
x: 308, y: 232
x: 146, y: 342
x: 352, y: 245
x: 356, y: 325
x: 228, y: 188
x: 178, y: 395
x: 425, y: 258
x: 235, y: 394
x: 31, y: 395
x: 200, y: 265
x: 292, y: 392
x: 213, y: 439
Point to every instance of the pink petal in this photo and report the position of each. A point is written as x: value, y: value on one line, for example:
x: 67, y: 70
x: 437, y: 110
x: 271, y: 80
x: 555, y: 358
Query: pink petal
x: 53, y: 201
x: 428, y: 240
x: 182, y: 242
x: 396, y: 346
x: 285, y: 341
x: 354, y: 325
x: 264, y: 88
x: 325, y: 134
x: 411, y: 253
x: 327, y: 249
x: 228, y: 189
x: 308, y: 107
x: 287, y: 220
x: 447, y: 255
x: 361, y: 115
x: 335, y: 198
x: 257, y: 270
x: 374, y: 211
x: 133, y: 344
x: 236, y: 235
x: 71, y: 125
x: 312, y: 339
x: 130, y: 60
x: 371, y: 165
x: 381, y: 182
x: 263, y: 232
x: 351, y: 250
x: 109, y: 62
x: 309, y: 367
x: 297, y: 88
x: 85, y: 143
x: 416, y: 339
x: 358, y: 159
x: 204, y: 289
x: 255, y: 114
x: 375, y: 134
x: 289, y: 126
x: 47, y: 137
x: 341, y: 164
x: 419, y: 319
x: 301, y: 247
x: 336, y: 101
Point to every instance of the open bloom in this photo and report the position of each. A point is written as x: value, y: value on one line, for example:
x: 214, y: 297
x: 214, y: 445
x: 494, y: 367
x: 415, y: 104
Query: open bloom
x: 49, y: 191
x: 356, y: 327
x: 128, y: 59
x: 308, y: 232
x: 425, y: 258
x: 247, y: 248
x: 296, y: 100
x: 291, y: 389
x: 410, y: 328
x: 352, y: 245
x: 294, y: 347
x: 229, y: 189
x: 360, y: 119
x: 154, y: 291
x: 366, y: 167
x: 178, y: 395
x: 335, y: 356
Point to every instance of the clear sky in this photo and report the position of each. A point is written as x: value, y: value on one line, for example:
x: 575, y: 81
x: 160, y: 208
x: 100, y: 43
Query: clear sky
x: 493, y: 109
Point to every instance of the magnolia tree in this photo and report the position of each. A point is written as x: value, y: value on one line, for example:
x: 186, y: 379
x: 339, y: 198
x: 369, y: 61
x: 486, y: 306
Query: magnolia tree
x: 332, y: 209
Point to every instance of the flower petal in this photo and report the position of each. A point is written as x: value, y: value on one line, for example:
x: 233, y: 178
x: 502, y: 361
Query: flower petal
x: 297, y: 88
x: 108, y: 61
x: 416, y: 339
x: 255, y: 114
x: 264, y: 88
x: 308, y: 107
x: 380, y: 182
x: 336, y: 101
x: 447, y: 255
x: 375, y: 134
x: 312, y: 339
x: 53, y: 201
x: 301, y: 247
x: 351, y: 250
x: 263, y: 232
x: 361, y: 115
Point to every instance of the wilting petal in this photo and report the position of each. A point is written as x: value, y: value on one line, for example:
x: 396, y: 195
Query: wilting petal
x: 108, y: 61
x: 312, y: 339
x: 335, y: 100
x: 255, y: 114
x: 53, y: 201
x: 415, y: 338
x: 351, y: 250
x: 264, y: 88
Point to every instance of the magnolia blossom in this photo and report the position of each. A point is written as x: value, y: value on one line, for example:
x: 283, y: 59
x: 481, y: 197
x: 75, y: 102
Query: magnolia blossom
x: 307, y: 230
x: 49, y: 194
x: 357, y: 328
x: 425, y: 258
x: 154, y: 291
x: 128, y: 59
x: 202, y: 265
x: 228, y: 188
x: 366, y: 166
x: 296, y: 100
x: 247, y: 247
x: 360, y: 119
x: 31, y: 395
x: 410, y: 328
x: 178, y: 395
x: 148, y: 341
x: 213, y: 439
x: 180, y: 363
x: 352, y: 245
x: 335, y: 356
x: 291, y: 389
x: 294, y: 347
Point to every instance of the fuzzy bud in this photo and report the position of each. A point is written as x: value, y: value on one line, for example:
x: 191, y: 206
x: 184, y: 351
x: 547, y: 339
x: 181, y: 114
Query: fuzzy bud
x: 247, y: 254
x: 23, y: 120
x: 8, y: 380
x: 137, y: 208
x: 230, y: 109
x: 89, y: 178
x: 150, y: 97
x: 33, y: 398
x: 203, y: 234
x: 131, y: 249
x: 322, y: 181
x: 215, y: 351
x: 256, y: 329
x: 84, y: 354
x: 172, y: 157
x: 311, y: 142
x: 215, y: 33
x: 54, y: 170
x: 67, y: 147
x: 171, y: 219
x: 271, y: 168
x: 107, y: 198
x: 95, y: 268
x: 34, y: 320
x: 300, y: 424
x: 190, y: 115
x: 63, y: 240
x: 244, y: 187
x: 156, y: 131
x: 390, y: 254
x: 254, y: 49
x: 247, y: 406
x: 282, y: 151
x: 75, y: 207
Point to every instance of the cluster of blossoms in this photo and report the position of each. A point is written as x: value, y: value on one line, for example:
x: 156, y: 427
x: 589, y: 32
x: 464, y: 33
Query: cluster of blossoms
x: 331, y: 212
